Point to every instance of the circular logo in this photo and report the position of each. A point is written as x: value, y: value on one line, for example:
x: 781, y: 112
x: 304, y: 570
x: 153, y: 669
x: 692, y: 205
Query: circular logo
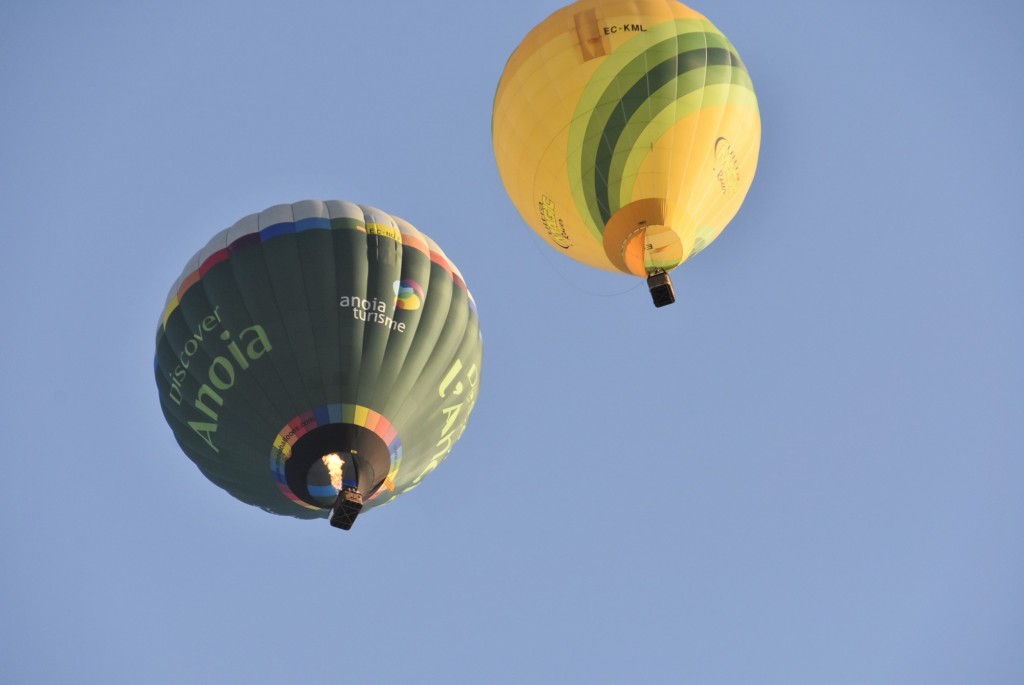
x: 408, y: 294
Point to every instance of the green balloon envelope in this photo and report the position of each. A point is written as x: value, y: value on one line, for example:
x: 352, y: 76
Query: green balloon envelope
x: 313, y: 329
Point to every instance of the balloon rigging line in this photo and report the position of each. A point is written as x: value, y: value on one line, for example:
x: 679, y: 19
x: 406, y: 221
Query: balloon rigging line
x: 551, y: 265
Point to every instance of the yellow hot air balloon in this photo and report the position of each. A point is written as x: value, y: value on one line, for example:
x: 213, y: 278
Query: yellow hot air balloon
x: 626, y: 133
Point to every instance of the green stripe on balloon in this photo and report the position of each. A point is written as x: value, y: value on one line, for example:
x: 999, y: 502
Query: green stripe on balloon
x: 626, y: 94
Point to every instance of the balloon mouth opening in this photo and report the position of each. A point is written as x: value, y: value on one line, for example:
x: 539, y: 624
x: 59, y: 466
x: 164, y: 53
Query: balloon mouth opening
x: 652, y: 251
x: 638, y: 241
x: 337, y: 458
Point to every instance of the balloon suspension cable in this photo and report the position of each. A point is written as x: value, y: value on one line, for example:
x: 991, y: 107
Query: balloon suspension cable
x: 662, y: 291
x: 537, y: 242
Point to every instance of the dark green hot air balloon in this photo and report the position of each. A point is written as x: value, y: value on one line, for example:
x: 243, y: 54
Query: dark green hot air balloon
x: 318, y: 358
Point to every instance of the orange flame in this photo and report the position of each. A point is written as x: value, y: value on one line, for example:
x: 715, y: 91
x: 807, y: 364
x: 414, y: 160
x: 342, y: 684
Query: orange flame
x: 334, y: 464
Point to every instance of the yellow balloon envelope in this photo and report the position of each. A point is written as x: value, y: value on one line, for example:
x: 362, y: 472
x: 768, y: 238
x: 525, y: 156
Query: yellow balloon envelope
x: 627, y: 133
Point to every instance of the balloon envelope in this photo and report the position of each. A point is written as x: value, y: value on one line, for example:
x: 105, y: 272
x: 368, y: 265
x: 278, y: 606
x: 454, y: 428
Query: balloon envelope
x: 314, y: 348
x: 626, y: 133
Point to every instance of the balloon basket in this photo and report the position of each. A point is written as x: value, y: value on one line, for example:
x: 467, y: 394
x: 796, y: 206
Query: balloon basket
x: 346, y: 508
x: 661, y: 289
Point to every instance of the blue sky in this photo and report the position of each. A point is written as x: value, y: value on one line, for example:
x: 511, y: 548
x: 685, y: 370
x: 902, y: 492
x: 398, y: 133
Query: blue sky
x: 807, y: 470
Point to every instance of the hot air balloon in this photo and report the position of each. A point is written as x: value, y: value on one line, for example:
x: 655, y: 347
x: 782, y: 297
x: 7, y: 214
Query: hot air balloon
x: 626, y: 133
x: 318, y: 359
